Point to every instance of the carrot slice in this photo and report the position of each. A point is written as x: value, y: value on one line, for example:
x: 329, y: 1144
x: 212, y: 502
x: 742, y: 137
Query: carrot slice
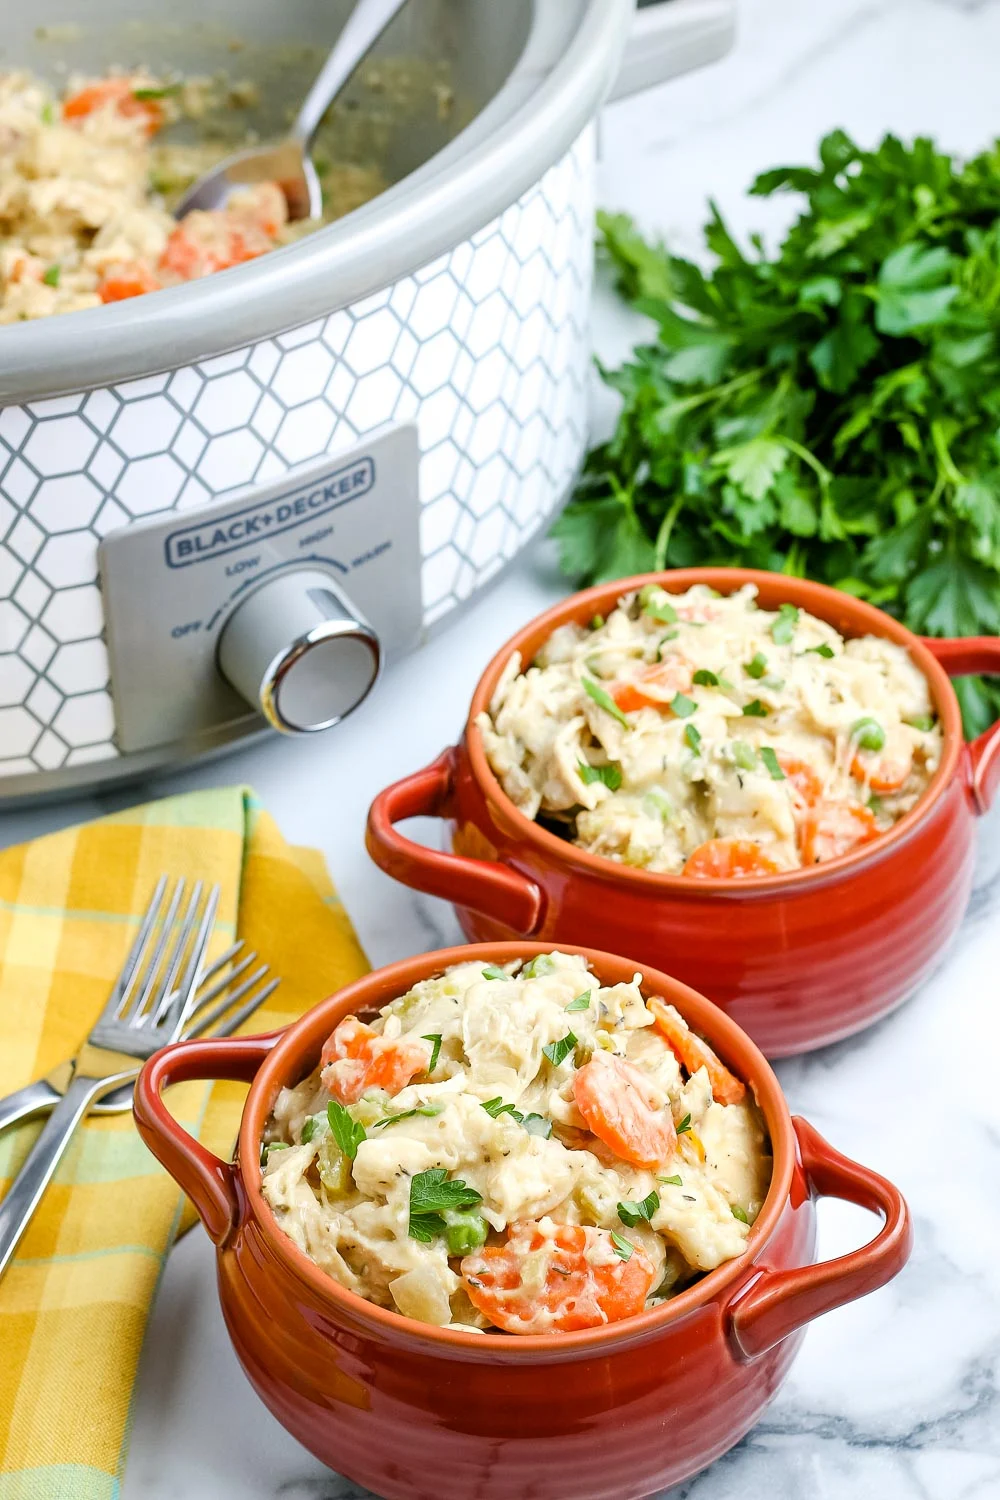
x: 834, y: 828
x: 883, y: 772
x: 729, y: 859
x: 654, y: 687
x: 586, y: 1282
x: 805, y: 782
x: 621, y: 1108
x: 130, y: 280
x: 356, y: 1058
x: 695, y: 1053
x: 118, y: 94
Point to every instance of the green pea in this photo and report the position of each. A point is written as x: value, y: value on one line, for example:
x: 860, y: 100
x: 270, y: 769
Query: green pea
x: 868, y: 734
x: 465, y: 1231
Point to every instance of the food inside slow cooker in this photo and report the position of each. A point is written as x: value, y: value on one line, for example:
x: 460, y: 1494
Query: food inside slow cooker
x: 703, y: 735
x: 517, y: 1148
x: 86, y: 189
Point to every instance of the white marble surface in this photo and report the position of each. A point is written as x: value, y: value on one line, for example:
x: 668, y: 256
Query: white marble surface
x: 894, y: 1398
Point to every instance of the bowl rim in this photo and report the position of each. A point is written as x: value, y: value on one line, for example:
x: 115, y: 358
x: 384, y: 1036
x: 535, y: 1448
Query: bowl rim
x: 821, y: 600
x: 297, y: 1051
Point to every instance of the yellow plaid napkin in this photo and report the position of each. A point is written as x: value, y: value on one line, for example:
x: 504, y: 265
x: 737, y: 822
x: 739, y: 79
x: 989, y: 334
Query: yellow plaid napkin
x: 74, y: 1303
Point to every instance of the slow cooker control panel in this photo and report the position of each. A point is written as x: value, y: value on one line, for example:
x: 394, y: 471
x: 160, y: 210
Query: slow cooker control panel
x: 278, y: 603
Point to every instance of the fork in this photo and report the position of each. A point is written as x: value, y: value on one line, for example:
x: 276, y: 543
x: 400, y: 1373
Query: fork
x: 149, y: 1006
x: 44, y: 1094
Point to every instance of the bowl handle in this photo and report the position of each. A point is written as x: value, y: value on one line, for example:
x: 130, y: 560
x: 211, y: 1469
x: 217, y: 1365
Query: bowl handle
x: 778, y: 1303
x: 485, y: 886
x: 208, y: 1181
x: 976, y: 653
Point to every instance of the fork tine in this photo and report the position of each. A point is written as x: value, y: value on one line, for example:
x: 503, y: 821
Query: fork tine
x: 130, y: 968
x: 227, y: 1002
x: 163, y: 984
x: 174, y: 1009
x: 220, y: 963
x: 130, y: 1013
x: 205, y: 997
x: 234, y: 1022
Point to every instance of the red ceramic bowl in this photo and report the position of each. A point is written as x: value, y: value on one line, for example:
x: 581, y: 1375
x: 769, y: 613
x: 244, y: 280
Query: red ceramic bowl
x: 798, y: 959
x: 420, y: 1413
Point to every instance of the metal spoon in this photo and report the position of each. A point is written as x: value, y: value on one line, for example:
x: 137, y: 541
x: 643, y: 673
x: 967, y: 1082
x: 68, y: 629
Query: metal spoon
x: 290, y: 162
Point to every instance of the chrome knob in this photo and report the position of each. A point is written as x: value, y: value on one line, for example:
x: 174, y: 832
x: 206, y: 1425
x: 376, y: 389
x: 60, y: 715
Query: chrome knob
x: 297, y: 651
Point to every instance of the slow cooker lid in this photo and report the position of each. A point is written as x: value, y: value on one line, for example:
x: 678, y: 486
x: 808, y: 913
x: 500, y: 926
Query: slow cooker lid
x: 568, y: 62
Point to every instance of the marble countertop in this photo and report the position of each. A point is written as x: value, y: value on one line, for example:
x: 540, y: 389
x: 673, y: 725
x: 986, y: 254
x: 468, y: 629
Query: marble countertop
x: 894, y: 1397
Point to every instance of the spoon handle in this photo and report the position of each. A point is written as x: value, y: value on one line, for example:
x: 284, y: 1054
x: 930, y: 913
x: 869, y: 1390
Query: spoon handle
x: 364, y: 26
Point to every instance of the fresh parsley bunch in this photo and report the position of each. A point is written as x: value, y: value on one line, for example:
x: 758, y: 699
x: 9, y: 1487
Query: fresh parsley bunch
x: 831, y: 410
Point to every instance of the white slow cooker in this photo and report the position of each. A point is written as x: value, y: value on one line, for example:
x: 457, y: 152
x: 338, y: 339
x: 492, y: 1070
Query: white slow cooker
x: 223, y: 505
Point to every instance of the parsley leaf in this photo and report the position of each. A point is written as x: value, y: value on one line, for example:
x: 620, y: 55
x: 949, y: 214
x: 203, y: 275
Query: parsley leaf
x: 435, y: 1040
x: 541, y: 964
x: 704, y: 678
x: 622, y: 1247
x: 823, y: 650
x: 557, y: 1052
x: 755, y: 710
x: 757, y: 667
x: 347, y: 1132
x: 497, y: 1107
x: 739, y: 1213
x: 610, y: 775
x: 604, y: 700
x: 825, y: 405
x: 51, y: 275
x: 494, y: 971
x: 693, y: 737
x: 632, y: 1214
x: 772, y: 763
x: 674, y: 1181
x: 685, y: 1125
x: 682, y: 705
x: 537, y: 1125
x: 784, y: 626
x: 407, y: 1114
x: 433, y: 1194
x: 582, y: 1002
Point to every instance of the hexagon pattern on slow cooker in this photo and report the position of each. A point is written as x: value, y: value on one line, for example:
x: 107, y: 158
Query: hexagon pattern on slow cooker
x: 486, y: 348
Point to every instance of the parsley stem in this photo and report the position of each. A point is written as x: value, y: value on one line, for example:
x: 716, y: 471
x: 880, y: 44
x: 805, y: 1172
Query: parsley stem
x: 663, y: 535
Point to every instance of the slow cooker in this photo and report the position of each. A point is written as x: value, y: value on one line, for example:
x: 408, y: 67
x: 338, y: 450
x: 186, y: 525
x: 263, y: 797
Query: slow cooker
x: 222, y: 506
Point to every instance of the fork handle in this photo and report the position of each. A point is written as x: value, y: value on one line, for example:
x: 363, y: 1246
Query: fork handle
x: 39, y: 1166
x: 34, y: 1099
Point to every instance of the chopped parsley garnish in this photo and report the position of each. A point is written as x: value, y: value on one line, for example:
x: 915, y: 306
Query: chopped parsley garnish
x: 654, y: 603
x: 537, y: 1125
x: 347, y: 1132
x: 770, y: 760
x: 754, y: 710
x: 51, y: 275
x: 407, y: 1114
x: 604, y: 700
x: 875, y: 804
x: 632, y: 1214
x: 162, y: 92
x: 659, y: 802
x: 309, y: 1129
x: 582, y: 1002
x: 823, y: 650
x: 557, y: 1052
x: 496, y: 1107
x: 757, y: 667
x: 925, y: 723
x: 435, y: 1040
x: 432, y: 1195
x: 744, y: 755
x: 868, y: 734
x: 739, y: 1213
x: 784, y: 626
x: 610, y: 775
x: 494, y: 971
x: 704, y: 678
x: 48, y: 114
x: 674, y: 1181
x: 692, y: 737
x: 671, y: 635
x: 541, y: 964
x: 684, y: 1125
x: 622, y: 1247
x: 682, y: 706
x: 597, y: 622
